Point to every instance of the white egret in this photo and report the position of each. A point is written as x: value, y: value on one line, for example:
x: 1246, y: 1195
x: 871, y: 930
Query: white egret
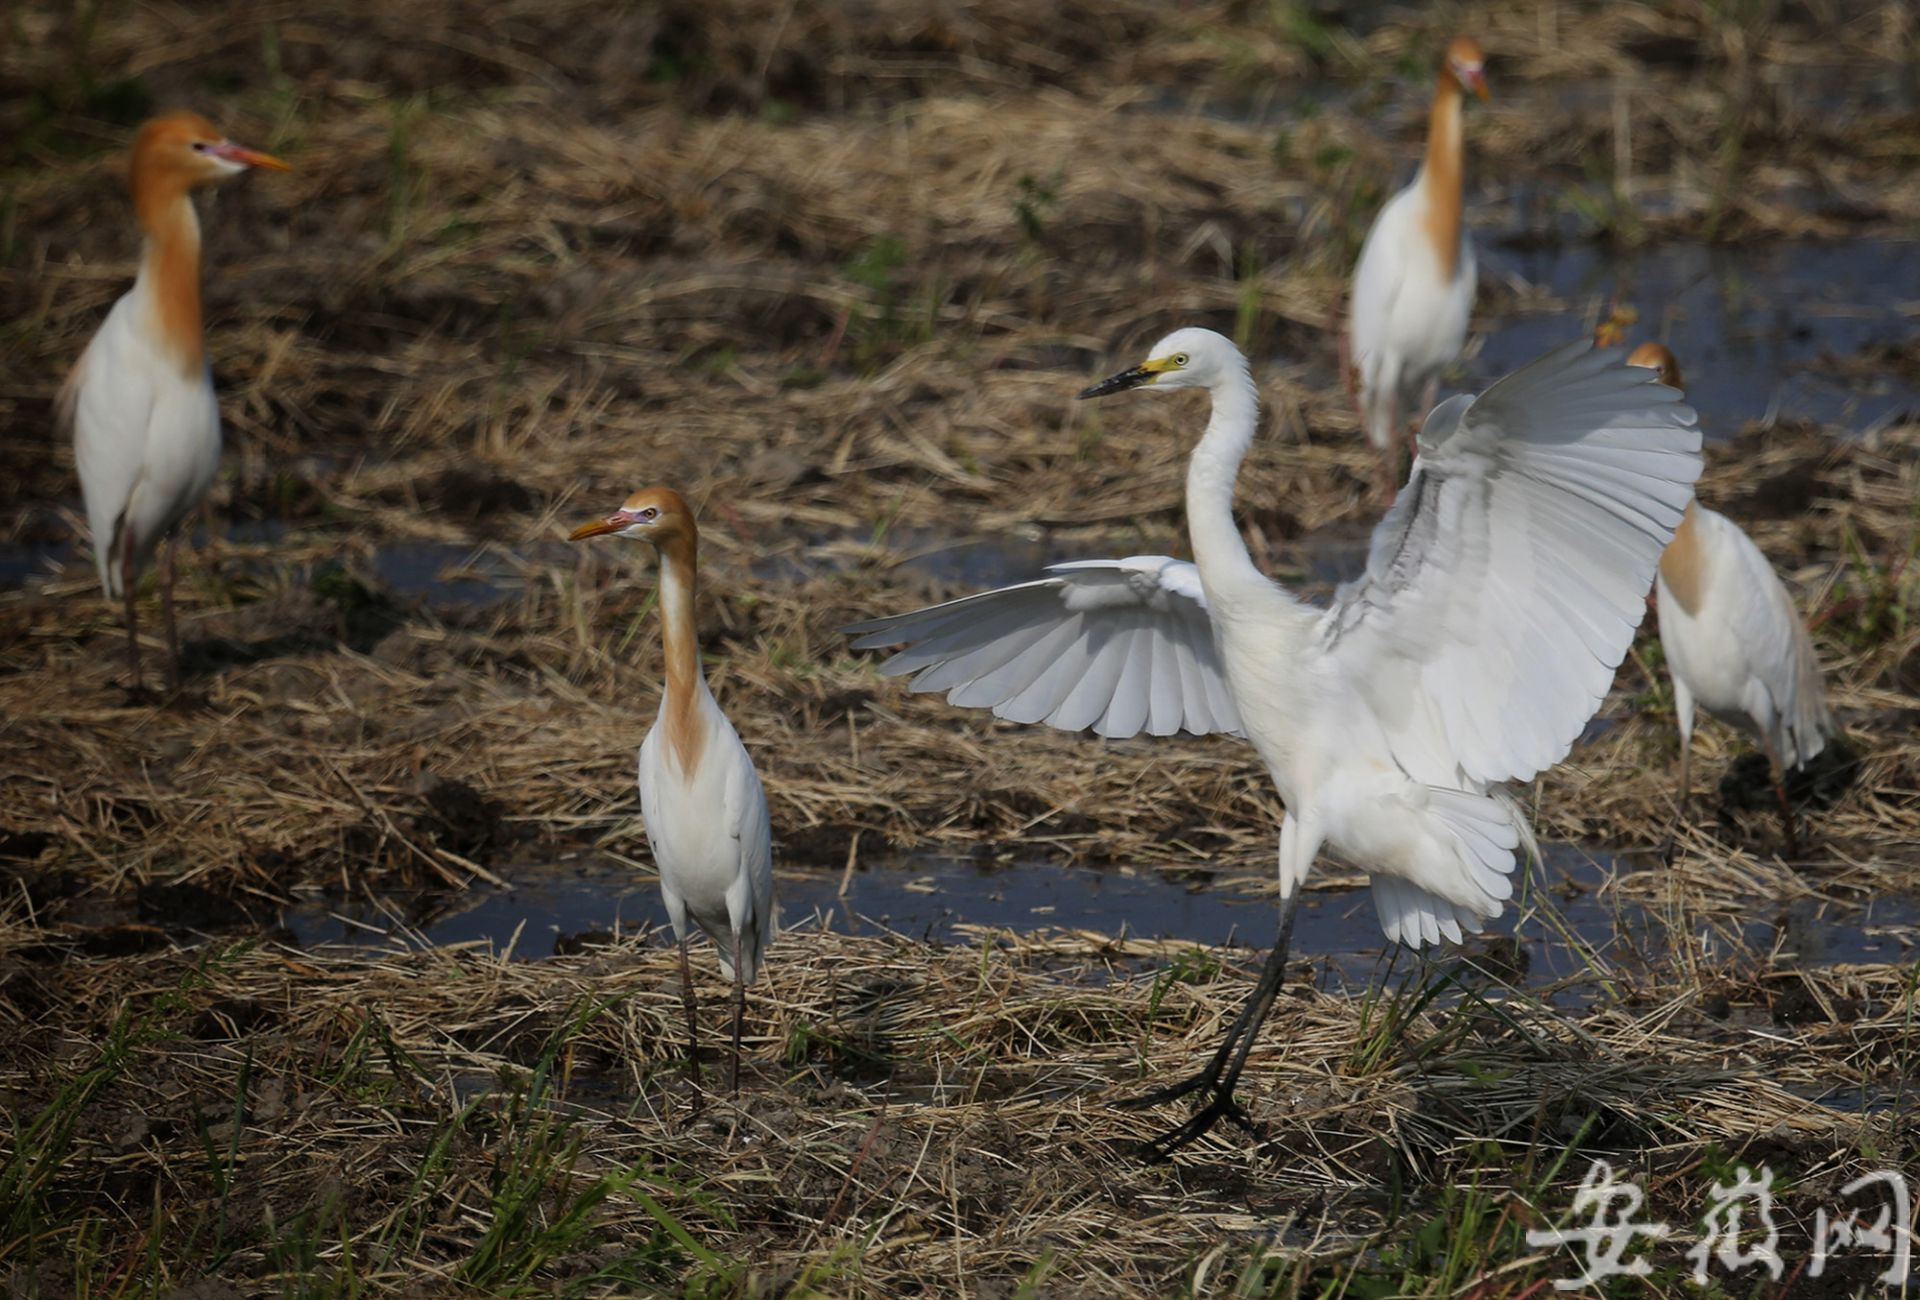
x: 1735, y: 646
x: 1501, y: 591
x: 705, y: 810
x: 1413, y: 287
x: 146, y: 425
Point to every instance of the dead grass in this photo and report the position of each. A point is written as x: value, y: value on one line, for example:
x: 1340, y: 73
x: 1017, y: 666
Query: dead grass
x: 326, y: 718
x: 836, y: 271
x: 502, y: 289
x: 914, y: 1118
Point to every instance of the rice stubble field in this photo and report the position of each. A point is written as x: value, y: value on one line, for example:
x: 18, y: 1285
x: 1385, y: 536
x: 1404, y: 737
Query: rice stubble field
x: 836, y: 272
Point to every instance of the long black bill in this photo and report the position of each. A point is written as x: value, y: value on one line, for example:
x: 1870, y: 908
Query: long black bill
x: 1120, y: 383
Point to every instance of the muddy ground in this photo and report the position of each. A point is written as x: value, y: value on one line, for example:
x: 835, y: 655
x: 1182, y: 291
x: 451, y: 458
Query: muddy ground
x: 836, y: 272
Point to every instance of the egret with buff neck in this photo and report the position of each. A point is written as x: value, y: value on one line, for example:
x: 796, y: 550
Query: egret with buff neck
x: 1735, y: 646
x: 146, y: 424
x: 705, y: 810
x: 1413, y: 286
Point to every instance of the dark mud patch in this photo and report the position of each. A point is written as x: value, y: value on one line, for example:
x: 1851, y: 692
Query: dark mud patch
x: 457, y: 817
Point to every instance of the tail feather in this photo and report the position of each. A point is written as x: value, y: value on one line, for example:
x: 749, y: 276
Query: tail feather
x: 1807, y: 723
x: 1490, y: 833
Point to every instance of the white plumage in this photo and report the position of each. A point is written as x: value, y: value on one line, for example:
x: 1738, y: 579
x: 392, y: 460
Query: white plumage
x: 146, y: 424
x: 146, y: 438
x: 1735, y: 646
x: 1501, y: 591
x: 1734, y: 642
x: 1414, y: 285
x: 1408, y: 318
x: 1121, y: 646
x: 711, y: 839
x: 705, y: 809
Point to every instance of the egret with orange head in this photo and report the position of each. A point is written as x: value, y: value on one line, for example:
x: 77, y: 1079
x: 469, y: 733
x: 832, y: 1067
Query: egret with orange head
x: 1414, y: 284
x: 705, y: 810
x: 146, y: 424
x: 1735, y: 646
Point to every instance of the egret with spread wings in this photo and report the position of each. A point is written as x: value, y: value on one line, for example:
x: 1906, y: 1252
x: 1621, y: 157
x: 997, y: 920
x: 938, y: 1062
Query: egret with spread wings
x: 1501, y: 591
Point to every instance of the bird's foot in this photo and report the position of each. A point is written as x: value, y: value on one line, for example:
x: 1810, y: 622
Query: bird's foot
x: 1220, y: 1105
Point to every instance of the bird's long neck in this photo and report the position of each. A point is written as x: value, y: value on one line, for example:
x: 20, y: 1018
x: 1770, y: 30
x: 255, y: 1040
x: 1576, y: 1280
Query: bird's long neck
x: 680, y: 714
x: 1218, y: 549
x: 1683, y: 564
x: 170, y: 266
x: 1441, y: 175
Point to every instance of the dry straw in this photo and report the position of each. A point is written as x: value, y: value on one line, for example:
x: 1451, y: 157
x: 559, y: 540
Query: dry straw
x: 835, y: 271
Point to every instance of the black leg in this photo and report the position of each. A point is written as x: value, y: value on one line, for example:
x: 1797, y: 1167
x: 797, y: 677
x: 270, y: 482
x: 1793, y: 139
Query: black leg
x: 127, y: 580
x: 1223, y: 1071
x: 739, y: 1015
x: 1680, y: 810
x: 686, y: 1002
x: 166, y: 614
x: 1779, y: 775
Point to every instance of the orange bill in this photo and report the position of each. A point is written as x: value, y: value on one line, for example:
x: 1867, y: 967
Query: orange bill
x: 599, y: 528
x: 248, y: 157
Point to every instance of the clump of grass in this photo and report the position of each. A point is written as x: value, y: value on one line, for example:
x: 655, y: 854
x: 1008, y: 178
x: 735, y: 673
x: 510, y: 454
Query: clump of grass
x: 1873, y: 600
x: 1034, y: 201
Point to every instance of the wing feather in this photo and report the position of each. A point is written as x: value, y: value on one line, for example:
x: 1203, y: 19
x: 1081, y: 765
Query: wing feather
x: 1121, y: 646
x: 1508, y: 578
x: 1130, y: 709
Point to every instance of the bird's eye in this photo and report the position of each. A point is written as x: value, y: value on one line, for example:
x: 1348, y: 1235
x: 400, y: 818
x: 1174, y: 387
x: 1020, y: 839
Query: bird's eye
x: 199, y: 146
x: 648, y: 515
x: 1180, y: 359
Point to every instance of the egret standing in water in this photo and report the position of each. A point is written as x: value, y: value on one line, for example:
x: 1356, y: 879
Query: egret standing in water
x: 1735, y: 645
x: 146, y: 425
x: 1501, y: 591
x: 705, y: 810
x: 1413, y: 287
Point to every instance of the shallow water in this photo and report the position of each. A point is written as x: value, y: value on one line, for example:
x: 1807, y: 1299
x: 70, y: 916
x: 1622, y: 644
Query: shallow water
x: 445, y: 573
x: 1757, y: 327
x: 1568, y: 929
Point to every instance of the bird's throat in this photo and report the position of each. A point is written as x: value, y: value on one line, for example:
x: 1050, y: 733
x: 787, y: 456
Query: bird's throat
x: 1441, y: 177
x: 680, y: 715
x: 171, y: 269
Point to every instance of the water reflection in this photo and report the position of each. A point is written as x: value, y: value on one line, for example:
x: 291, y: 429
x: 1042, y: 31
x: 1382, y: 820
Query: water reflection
x: 1568, y: 925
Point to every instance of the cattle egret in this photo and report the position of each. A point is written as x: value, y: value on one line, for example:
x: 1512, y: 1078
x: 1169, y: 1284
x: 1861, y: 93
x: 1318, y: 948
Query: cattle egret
x: 1735, y: 646
x: 146, y: 425
x: 1413, y: 288
x: 1501, y: 591
x: 705, y: 810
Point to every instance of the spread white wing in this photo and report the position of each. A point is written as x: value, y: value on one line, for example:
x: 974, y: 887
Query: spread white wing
x: 1122, y: 646
x: 1504, y: 586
